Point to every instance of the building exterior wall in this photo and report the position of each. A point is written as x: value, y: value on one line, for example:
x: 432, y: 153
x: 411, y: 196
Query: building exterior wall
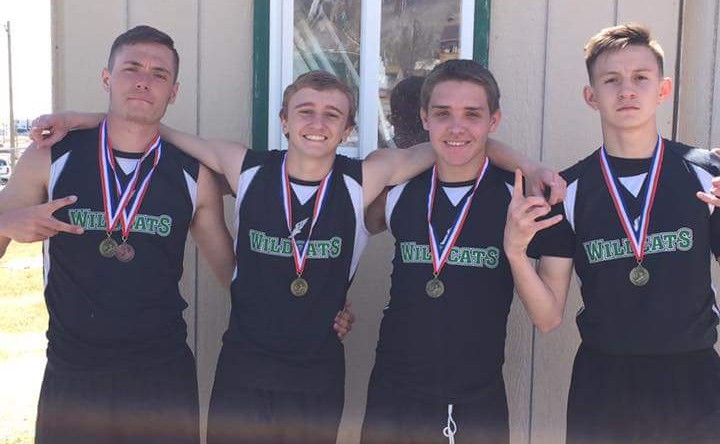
x: 536, y: 54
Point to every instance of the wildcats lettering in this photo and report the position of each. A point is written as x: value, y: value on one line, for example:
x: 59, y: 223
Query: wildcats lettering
x: 95, y: 220
x: 601, y: 250
x: 489, y: 257
x: 281, y: 246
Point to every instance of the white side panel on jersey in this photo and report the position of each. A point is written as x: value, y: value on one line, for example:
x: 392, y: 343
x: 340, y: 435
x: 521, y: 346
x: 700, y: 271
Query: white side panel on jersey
x: 56, y: 169
x: 705, y: 179
x: 392, y: 199
x: 569, y: 203
x: 246, y: 178
x: 192, y: 187
x: 361, y: 233
x: 511, y: 188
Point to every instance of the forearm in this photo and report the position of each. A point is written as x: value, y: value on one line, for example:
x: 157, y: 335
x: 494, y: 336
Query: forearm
x: 408, y: 163
x: 4, y: 242
x: 76, y: 120
x: 508, y: 158
x: 542, y: 305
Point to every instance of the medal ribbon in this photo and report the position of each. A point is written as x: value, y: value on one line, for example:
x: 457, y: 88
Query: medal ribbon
x: 300, y: 257
x: 441, y: 255
x: 116, y: 203
x: 638, y: 238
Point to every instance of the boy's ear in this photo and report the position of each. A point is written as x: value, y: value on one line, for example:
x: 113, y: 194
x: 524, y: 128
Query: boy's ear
x: 423, y: 118
x: 589, y: 96
x: 666, y: 87
x: 495, y: 120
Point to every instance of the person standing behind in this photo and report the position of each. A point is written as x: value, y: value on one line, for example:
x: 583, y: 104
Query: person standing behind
x: 641, y: 243
x: 119, y: 369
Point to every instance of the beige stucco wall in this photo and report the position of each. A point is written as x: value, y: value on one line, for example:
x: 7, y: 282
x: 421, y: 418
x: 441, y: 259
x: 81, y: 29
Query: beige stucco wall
x: 536, y: 54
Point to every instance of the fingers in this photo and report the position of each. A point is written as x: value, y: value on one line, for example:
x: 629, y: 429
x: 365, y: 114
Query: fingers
x: 59, y: 226
x: 56, y: 204
x: 558, y: 189
x: 518, y: 187
x: 708, y: 198
x: 549, y: 222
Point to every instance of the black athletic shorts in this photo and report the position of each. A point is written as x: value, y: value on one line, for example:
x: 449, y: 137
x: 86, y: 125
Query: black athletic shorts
x: 644, y: 399
x: 157, y: 404
x: 393, y: 416
x: 242, y: 414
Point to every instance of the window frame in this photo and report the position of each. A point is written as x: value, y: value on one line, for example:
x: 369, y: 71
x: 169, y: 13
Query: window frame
x: 272, y: 48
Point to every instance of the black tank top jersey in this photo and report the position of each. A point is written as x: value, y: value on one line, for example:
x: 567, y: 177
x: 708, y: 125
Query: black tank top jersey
x: 452, y: 347
x: 105, y: 314
x: 288, y: 342
x: 676, y: 310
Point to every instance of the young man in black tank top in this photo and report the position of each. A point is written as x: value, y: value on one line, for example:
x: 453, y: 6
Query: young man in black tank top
x: 119, y: 370
x: 641, y: 243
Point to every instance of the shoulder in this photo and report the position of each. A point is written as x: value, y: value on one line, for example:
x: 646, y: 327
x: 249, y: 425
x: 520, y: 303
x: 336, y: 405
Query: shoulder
x: 574, y: 172
x: 698, y: 157
x: 349, y: 167
x: 84, y: 139
x: 187, y: 163
x: 255, y: 158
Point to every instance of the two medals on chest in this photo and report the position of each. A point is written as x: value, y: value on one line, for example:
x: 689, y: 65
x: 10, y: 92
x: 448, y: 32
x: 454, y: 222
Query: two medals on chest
x: 122, y: 198
x: 440, y: 251
x: 636, y: 228
x: 299, y: 286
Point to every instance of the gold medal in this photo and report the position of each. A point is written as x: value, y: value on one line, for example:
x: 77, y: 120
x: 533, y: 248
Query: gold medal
x: 434, y: 288
x: 108, y: 247
x: 299, y: 287
x: 125, y: 252
x: 639, y: 275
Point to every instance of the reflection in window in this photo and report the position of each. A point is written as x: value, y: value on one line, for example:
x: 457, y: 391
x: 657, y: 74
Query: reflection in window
x: 416, y: 35
x: 327, y: 37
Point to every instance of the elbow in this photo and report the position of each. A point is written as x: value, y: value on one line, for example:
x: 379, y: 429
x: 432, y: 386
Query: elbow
x: 549, y: 324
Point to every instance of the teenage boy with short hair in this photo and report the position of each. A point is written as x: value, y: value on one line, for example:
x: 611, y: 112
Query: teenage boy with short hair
x: 641, y: 243
x: 438, y: 365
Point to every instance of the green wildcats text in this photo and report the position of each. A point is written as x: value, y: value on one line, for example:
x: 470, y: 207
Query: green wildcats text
x: 95, y: 220
x: 281, y: 246
x: 489, y: 257
x: 601, y: 250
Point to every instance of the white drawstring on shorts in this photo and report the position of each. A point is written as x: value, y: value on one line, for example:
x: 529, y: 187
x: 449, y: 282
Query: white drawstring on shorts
x: 451, y: 428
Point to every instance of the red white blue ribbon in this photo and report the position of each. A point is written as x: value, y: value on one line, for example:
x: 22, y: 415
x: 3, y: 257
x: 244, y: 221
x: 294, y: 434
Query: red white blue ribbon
x: 440, y: 253
x: 637, y: 237
x: 122, y: 203
x: 300, y: 255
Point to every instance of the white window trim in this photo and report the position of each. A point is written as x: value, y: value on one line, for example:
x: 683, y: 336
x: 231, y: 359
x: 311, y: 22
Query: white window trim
x: 281, y: 70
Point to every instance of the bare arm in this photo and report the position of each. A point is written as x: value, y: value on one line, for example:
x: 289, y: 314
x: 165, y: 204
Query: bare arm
x: 390, y: 167
x: 539, y: 177
x: 49, y: 129
x: 209, y: 230
x: 375, y: 214
x: 24, y: 215
x: 543, y: 291
x: 222, y: 156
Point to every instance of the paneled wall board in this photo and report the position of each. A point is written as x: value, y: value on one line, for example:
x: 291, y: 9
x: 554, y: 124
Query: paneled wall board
x: 697, y: 73
x: 82, y: 36
x: 571, y: 131
x: 521, y: 76
x: 661, y: 16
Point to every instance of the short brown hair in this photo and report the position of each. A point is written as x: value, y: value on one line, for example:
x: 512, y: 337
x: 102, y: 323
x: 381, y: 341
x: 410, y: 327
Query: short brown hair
x: 320, y: 81
x: 462, y: 70
x: 144, y: 34
x: 620, y: 37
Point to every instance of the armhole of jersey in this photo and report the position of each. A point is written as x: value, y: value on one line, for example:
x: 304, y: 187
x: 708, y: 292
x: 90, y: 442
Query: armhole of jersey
x: 192, y: 187
x: 392, y: 199
x: 244, y: 181
x: 56, y: 168
x: 362, y: 235
x: 705, y: 179
x: 569, y: 203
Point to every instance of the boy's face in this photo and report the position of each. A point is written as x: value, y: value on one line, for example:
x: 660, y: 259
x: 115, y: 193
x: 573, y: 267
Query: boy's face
x: 141, y: 83
x: 459, y: 120
x: 627, y: 88
x: 316, y: 121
